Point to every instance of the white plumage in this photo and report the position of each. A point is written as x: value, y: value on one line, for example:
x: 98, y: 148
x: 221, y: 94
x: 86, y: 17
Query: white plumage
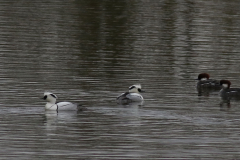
x: 52, y: 105
x: 132, y: 95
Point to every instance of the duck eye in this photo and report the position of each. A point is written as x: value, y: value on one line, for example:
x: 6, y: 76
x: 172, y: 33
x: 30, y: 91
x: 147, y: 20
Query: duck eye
x: 45, y: 97
x: 139, y: 90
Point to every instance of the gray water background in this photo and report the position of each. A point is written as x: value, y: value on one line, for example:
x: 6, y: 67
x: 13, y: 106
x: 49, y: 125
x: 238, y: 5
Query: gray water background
x: 90, y: 51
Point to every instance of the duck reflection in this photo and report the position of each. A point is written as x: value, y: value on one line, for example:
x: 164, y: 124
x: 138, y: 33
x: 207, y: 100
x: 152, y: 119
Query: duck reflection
x: 132, y: 104
x: 225, y: 105
x: 206, y: 91
x: 50, y: 120
x: 53, y: 118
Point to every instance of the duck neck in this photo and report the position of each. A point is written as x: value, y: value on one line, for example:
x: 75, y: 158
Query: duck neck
x: 51, y: 106
x: 52, y: 101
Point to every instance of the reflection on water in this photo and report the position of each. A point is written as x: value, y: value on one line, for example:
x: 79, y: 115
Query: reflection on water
x: 132, y: 104
x: 87, y: 52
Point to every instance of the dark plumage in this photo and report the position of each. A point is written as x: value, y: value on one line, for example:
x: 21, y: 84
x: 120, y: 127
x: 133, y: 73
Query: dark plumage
x: 206, y: 83
x: 227, y: 92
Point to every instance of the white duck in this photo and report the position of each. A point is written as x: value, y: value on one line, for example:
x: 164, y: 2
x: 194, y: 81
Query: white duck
x: 52, y: 105
x: 132, y: 95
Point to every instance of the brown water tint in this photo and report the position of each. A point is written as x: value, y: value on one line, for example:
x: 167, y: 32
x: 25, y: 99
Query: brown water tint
x: 89, y: 52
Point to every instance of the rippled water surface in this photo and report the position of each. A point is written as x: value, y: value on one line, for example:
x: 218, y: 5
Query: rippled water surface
x: 90, y: 51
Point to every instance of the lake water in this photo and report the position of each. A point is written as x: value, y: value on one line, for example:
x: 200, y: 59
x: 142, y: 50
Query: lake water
x: 90, y: 51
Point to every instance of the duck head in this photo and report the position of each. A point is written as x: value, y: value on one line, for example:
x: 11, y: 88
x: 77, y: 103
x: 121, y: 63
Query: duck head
x: 50, y: 97
x: 135, y: 88
x: 225, y: 83
x: 203, y: 76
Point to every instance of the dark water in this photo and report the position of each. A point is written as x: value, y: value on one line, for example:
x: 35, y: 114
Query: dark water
x: 88, y: 52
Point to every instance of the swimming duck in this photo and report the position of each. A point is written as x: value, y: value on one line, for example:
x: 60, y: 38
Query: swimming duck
x: 205, y: 82
x: 52, y: 105
x: 132, y: 95
x: 226, y: 92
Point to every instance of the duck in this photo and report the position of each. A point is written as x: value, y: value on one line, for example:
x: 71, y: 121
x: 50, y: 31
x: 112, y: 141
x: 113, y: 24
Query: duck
x: 53, y: 106
x: 133, y: 95
x: 228, y: 93
x: 205, y: 83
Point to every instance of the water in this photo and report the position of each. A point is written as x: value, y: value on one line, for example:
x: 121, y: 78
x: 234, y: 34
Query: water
x: 88, y: 52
